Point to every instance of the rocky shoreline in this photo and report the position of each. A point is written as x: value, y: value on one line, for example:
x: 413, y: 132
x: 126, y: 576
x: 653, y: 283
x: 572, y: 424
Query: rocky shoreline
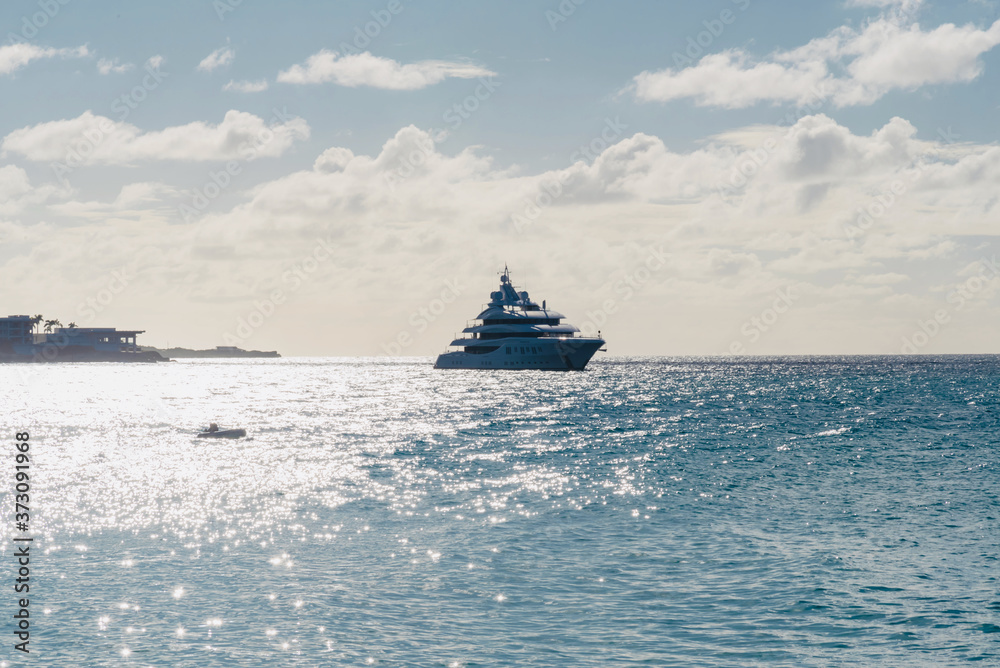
x: 55, y: 354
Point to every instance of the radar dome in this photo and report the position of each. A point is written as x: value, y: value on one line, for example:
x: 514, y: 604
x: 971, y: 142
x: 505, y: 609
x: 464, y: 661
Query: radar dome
x: 524, y: 296
x: 496, y: 296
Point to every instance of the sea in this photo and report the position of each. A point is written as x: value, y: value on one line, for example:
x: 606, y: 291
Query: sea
x: 746, y: 511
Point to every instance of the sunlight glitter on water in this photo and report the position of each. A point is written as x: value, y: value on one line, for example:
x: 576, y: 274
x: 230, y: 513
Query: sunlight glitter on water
x: 662, y: 512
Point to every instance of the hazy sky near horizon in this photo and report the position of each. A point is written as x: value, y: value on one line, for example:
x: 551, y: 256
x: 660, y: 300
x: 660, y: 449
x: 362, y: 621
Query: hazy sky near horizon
x: 322, y: 178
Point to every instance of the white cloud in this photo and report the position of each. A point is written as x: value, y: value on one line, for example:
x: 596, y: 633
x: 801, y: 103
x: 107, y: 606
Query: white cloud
x: 14, y: 187
x: 890, y: 278
x: 13, y: 182
x: 16, y: 191
x: 812, y: 176
x: 805, y: 192
x: 389, y: 220
x: 728, y: 80
x: 104, y: 141
x: 364, y: 69
x: 105, y: 66
x: 147, y: 201
x: 218, y: 58
x: 17, y: 55
x: 785, y: 226
x: 246, y: 86
x: 890, y: 57
x: 847, y: 67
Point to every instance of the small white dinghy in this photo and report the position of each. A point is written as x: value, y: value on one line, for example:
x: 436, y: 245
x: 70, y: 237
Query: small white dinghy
x: 215, y: 432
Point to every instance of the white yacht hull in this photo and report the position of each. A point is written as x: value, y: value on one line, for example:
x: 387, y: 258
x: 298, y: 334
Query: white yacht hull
x: 571, y: 354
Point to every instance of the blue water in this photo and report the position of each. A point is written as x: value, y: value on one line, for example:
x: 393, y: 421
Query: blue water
x: 646, y: 512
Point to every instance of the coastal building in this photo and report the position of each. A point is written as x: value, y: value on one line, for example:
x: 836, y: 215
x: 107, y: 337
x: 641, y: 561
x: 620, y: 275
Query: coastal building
x: 19, y: 342
x: 17, y: 330
x: 101, y: 339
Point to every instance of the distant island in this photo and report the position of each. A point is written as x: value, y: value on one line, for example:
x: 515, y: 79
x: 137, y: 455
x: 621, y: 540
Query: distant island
x: 21, y: 342
x: 218, y: 351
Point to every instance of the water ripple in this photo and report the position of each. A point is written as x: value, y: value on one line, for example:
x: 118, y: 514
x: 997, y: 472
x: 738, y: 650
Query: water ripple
x: 762, y: 511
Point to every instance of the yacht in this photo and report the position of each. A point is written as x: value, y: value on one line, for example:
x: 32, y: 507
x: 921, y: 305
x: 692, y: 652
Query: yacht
x: 514, y: 332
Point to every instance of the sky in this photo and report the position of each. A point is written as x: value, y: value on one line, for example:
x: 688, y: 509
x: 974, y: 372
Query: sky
x: 745, y: 177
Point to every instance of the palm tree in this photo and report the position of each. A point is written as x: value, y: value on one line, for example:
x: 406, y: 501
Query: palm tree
x: 71, y: 325
x: 49, y: 324
x: 34, y: 322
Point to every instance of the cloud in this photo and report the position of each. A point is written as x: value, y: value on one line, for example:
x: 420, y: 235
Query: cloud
x: 890, y: 57
x: 883, y: 279
x: 728, y: 80
x: 364, y: 69
x: 218, y: 58
x: 13, y: 182
x: 99, y: 140
x: 246, y: 86
x: 105, y: 66
x: 807, y: 188
x: 847, y: 67
x: 814, y: 174
x: 17, y: 55
x: 16, y: 191
x: 389, y: 213
x: 146, y: 201
x: 413, y: 214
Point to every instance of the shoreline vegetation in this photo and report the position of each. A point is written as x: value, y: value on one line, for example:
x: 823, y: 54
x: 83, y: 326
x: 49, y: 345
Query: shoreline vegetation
x: 54, y: 354
x: 46, y: 354
x: 21, y: 342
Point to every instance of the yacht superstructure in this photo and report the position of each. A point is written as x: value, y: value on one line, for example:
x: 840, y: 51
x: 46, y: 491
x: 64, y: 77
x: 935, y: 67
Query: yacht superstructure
x: 513, y: 332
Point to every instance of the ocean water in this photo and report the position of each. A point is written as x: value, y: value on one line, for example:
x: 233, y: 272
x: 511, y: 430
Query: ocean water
x: 645, y: 512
